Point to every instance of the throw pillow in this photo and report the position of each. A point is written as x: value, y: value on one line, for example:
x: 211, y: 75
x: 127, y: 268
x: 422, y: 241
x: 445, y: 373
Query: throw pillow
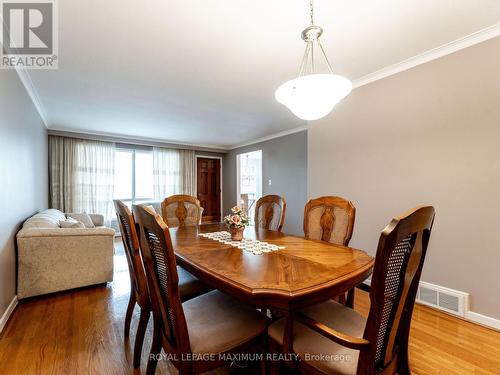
x: 84, y: 218
x: 71, y: 223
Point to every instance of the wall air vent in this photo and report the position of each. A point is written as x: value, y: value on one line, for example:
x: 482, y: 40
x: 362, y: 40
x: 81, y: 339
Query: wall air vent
x: 441, y: 298
x: 427, y: 295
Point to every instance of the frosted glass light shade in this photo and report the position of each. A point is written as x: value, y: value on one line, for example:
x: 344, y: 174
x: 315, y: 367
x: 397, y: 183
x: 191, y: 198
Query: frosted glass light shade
x: 313, y: 96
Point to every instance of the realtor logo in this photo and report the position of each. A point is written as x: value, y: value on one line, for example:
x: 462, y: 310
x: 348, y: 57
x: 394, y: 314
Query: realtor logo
x: 29, y: 34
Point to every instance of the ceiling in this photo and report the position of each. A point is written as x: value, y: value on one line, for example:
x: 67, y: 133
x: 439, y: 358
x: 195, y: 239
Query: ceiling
x: 204, y: 72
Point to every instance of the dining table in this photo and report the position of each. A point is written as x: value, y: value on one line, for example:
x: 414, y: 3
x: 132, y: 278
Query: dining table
x: 299, y: 273
x: 302, y: 272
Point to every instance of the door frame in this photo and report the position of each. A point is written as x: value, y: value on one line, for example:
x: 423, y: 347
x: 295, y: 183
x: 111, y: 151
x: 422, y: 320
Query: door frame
x: 238, y: 182
x: 196, y: 178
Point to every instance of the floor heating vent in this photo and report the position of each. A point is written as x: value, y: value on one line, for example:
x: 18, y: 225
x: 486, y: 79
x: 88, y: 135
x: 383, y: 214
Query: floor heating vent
x: 449, y: 300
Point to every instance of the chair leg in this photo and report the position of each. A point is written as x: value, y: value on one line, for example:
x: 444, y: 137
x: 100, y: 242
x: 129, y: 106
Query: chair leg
x: 340, y: 298
x: 272, y: 366
x: 350, y: 298
x: 264, y: 370
x: 155, y: 350
x: 128, y: 314
x: 403, y: 364
x: 274, y: 369
x: 139, y: 337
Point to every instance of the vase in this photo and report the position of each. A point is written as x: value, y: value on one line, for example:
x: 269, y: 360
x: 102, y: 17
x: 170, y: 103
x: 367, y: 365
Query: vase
x: 236, y: 233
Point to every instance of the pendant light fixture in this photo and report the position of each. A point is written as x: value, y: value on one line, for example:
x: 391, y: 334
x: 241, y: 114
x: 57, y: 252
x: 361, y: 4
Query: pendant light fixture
x: 312, y: 95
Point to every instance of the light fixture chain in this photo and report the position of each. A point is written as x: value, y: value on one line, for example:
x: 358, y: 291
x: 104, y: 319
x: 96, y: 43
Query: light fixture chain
x: 311, y: 7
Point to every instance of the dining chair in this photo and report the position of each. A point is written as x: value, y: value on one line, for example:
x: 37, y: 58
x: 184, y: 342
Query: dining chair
x: 270, y: 212
x: 337, y: 339
x: 198, y: 333
x: 331, y: 219
x: 189, y: 286
x: 181, y: 210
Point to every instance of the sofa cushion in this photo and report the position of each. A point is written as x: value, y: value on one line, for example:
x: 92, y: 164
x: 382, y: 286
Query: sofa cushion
x: 45, y: 219
x: 71, y: 223
x: 84, y: 218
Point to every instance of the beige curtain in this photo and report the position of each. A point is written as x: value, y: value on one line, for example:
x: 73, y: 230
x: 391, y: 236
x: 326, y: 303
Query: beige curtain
x: 188, y: 172
x: 81, y: 174
x: 174, y: 172
x: 62, y: 153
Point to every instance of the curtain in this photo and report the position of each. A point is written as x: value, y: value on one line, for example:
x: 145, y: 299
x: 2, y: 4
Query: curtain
x: 81, y: 175
x: 188, y: 172
x: 62, y: 153
x: 94, y: 177
x: 174, y: 172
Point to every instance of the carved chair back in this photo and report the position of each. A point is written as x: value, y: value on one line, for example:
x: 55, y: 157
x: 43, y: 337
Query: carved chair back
x: 329, y: 219
x: 398, y: 265
x: 181, y: 210
x: 270, y: 212
x: 163, y: 280
x: 130, y: 240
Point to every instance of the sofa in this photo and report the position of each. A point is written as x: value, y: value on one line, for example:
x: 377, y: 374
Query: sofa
x: 52, y: 259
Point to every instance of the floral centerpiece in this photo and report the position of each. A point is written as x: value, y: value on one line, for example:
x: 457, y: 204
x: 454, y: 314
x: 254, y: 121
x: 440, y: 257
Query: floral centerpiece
x: 236, y: 221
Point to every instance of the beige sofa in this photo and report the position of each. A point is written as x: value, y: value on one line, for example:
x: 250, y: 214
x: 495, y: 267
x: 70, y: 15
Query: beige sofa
x: 51, y: 259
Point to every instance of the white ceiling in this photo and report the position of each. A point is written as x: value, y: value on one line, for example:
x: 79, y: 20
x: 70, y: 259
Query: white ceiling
x: 205, y: 71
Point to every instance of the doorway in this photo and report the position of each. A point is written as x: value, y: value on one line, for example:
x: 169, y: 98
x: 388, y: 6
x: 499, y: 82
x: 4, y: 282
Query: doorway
x: 208, y: 177
x: 249, y: 181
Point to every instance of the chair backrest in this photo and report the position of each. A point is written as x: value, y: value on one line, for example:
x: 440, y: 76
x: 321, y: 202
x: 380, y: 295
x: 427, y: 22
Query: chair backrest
x: 130, y: 240
x: 329, y: 219
x: 270, y: 212
x: 163, y: 281
x: 181, y: 210
x: 396, y: 275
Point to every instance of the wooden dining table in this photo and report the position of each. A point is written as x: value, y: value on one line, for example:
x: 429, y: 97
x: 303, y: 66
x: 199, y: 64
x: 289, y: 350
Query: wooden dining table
x: 301, y: 274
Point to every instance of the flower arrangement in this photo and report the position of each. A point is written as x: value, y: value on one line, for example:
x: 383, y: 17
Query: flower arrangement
x: 236, y: 221
x: 237, y: 218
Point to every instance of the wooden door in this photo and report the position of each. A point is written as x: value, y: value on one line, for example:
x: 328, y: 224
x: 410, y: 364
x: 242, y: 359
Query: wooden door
x: 208, y: 177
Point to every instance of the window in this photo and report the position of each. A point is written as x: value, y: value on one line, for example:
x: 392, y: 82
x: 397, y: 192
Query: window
x: 133, y: 176
x: 143, y: 171
x: 123, y: 174
x: 249, y: 181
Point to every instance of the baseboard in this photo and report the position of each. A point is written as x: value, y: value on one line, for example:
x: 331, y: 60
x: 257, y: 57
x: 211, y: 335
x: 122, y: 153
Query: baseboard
x: 483, y: 320
x: 470, y: 316
x: 6, y: 315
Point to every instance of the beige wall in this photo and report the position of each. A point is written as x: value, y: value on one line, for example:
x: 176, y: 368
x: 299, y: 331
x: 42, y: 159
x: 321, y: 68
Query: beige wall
x: 23, y: 173
x: 284, y: 162
x: 429, y: 135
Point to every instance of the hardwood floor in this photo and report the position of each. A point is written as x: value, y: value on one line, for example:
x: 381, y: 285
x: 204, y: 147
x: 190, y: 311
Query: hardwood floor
x: 81, y: 332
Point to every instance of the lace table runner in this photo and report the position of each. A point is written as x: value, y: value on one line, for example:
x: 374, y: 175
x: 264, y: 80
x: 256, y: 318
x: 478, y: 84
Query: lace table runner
x: 252, y: 246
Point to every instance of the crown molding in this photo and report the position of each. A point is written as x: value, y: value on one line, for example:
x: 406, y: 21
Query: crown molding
x: 139, y: 141
x: 269, y: 137
x: 432, y: 54
x: 28, y: 84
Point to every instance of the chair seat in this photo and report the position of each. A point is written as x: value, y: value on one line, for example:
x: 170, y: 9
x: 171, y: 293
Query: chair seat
x: 190, y: 286
x: 319, y: 351
x: 217, y: 323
